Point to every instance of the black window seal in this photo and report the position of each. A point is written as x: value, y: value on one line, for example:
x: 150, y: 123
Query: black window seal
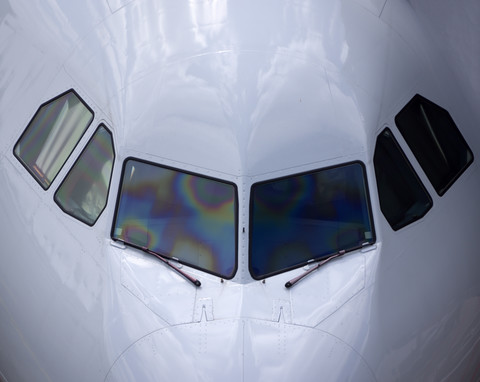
x: 285, y: 270
x: 74, y: 148
x: 109, y: 183
x: 235, y: 268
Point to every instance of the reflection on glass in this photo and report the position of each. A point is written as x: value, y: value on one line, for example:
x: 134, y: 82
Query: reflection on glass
x: 52, y: 135
x: 308, y: 216
x: 180, y: 215
x: 83, y: 193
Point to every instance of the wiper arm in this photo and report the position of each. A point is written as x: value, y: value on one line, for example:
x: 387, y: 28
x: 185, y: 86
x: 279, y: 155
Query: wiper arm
x: 190, y: 278
x: 295, y: 280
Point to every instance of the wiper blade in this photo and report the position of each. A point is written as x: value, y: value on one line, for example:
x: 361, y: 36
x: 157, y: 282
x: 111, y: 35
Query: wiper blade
x: 295, y: 280
x: 190, y: 278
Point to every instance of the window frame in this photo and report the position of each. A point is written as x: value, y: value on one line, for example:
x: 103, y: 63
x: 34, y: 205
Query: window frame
x: 304, y: 263
x: 24, y: 133
x: 186, y: 172
x: 101, y: 125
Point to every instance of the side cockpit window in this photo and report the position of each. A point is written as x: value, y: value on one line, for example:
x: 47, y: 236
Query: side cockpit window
x: 435, y: 140
x: 51, y: 136
x: 83, y: 193
x: 403, y: 198
x: 307, y: 217
x: 178, y: 215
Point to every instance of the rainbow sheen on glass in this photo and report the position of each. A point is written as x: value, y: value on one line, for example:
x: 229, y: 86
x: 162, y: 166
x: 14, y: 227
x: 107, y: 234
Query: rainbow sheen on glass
x: 83, y: 194
x: 52, y: 135
x: 308, y: 216
x: 179, y: 215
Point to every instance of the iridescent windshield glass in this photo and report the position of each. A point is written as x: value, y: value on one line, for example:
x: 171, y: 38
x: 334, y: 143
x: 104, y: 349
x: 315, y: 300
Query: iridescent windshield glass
x: 83, y: 193
x: 308, y: 216
x: 52, y: 135
x: 180, y: 215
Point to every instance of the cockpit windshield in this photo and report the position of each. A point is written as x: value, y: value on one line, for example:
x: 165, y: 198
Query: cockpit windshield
x: 307, y: 217
x: 179, y: 215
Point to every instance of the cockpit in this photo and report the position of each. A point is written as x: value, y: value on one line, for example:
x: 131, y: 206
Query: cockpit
x: 193, y: 219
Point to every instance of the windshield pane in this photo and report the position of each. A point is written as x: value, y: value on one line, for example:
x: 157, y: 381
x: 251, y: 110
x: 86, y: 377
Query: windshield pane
x: 180, y: 215
x: 308, y: 216
x: 435, y: 140
x: 403, y: 198
x: 83, y: 193
x: 52, y: 135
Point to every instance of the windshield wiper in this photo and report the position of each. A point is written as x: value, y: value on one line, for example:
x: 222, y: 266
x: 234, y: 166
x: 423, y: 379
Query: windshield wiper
x: 190, y: 278
x: 295, y: 280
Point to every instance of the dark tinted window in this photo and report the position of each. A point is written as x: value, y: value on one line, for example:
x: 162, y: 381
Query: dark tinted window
x: 308, y: 216
x: 83, y: 193
x: 435, y: 140
x: 179, y: 215
x: 403, y: 198
x: 52, y: 135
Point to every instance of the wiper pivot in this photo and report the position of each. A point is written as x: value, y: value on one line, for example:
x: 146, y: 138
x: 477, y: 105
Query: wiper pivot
x: 293, y: 281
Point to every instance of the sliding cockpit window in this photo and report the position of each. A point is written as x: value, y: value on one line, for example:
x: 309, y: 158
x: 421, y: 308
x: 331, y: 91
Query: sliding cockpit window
x: 308, y: 217
x: 83, y: 194
x: 51, y: 136
x: 179, y: 215
x: 403, y: 198
x: 435, y: 140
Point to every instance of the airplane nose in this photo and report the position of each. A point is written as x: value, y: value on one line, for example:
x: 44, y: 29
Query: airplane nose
x: 239, y: 350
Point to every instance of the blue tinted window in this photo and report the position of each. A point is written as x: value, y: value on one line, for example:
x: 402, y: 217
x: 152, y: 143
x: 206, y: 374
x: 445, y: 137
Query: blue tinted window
x: 308, y: 216
x: 180, y: 215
